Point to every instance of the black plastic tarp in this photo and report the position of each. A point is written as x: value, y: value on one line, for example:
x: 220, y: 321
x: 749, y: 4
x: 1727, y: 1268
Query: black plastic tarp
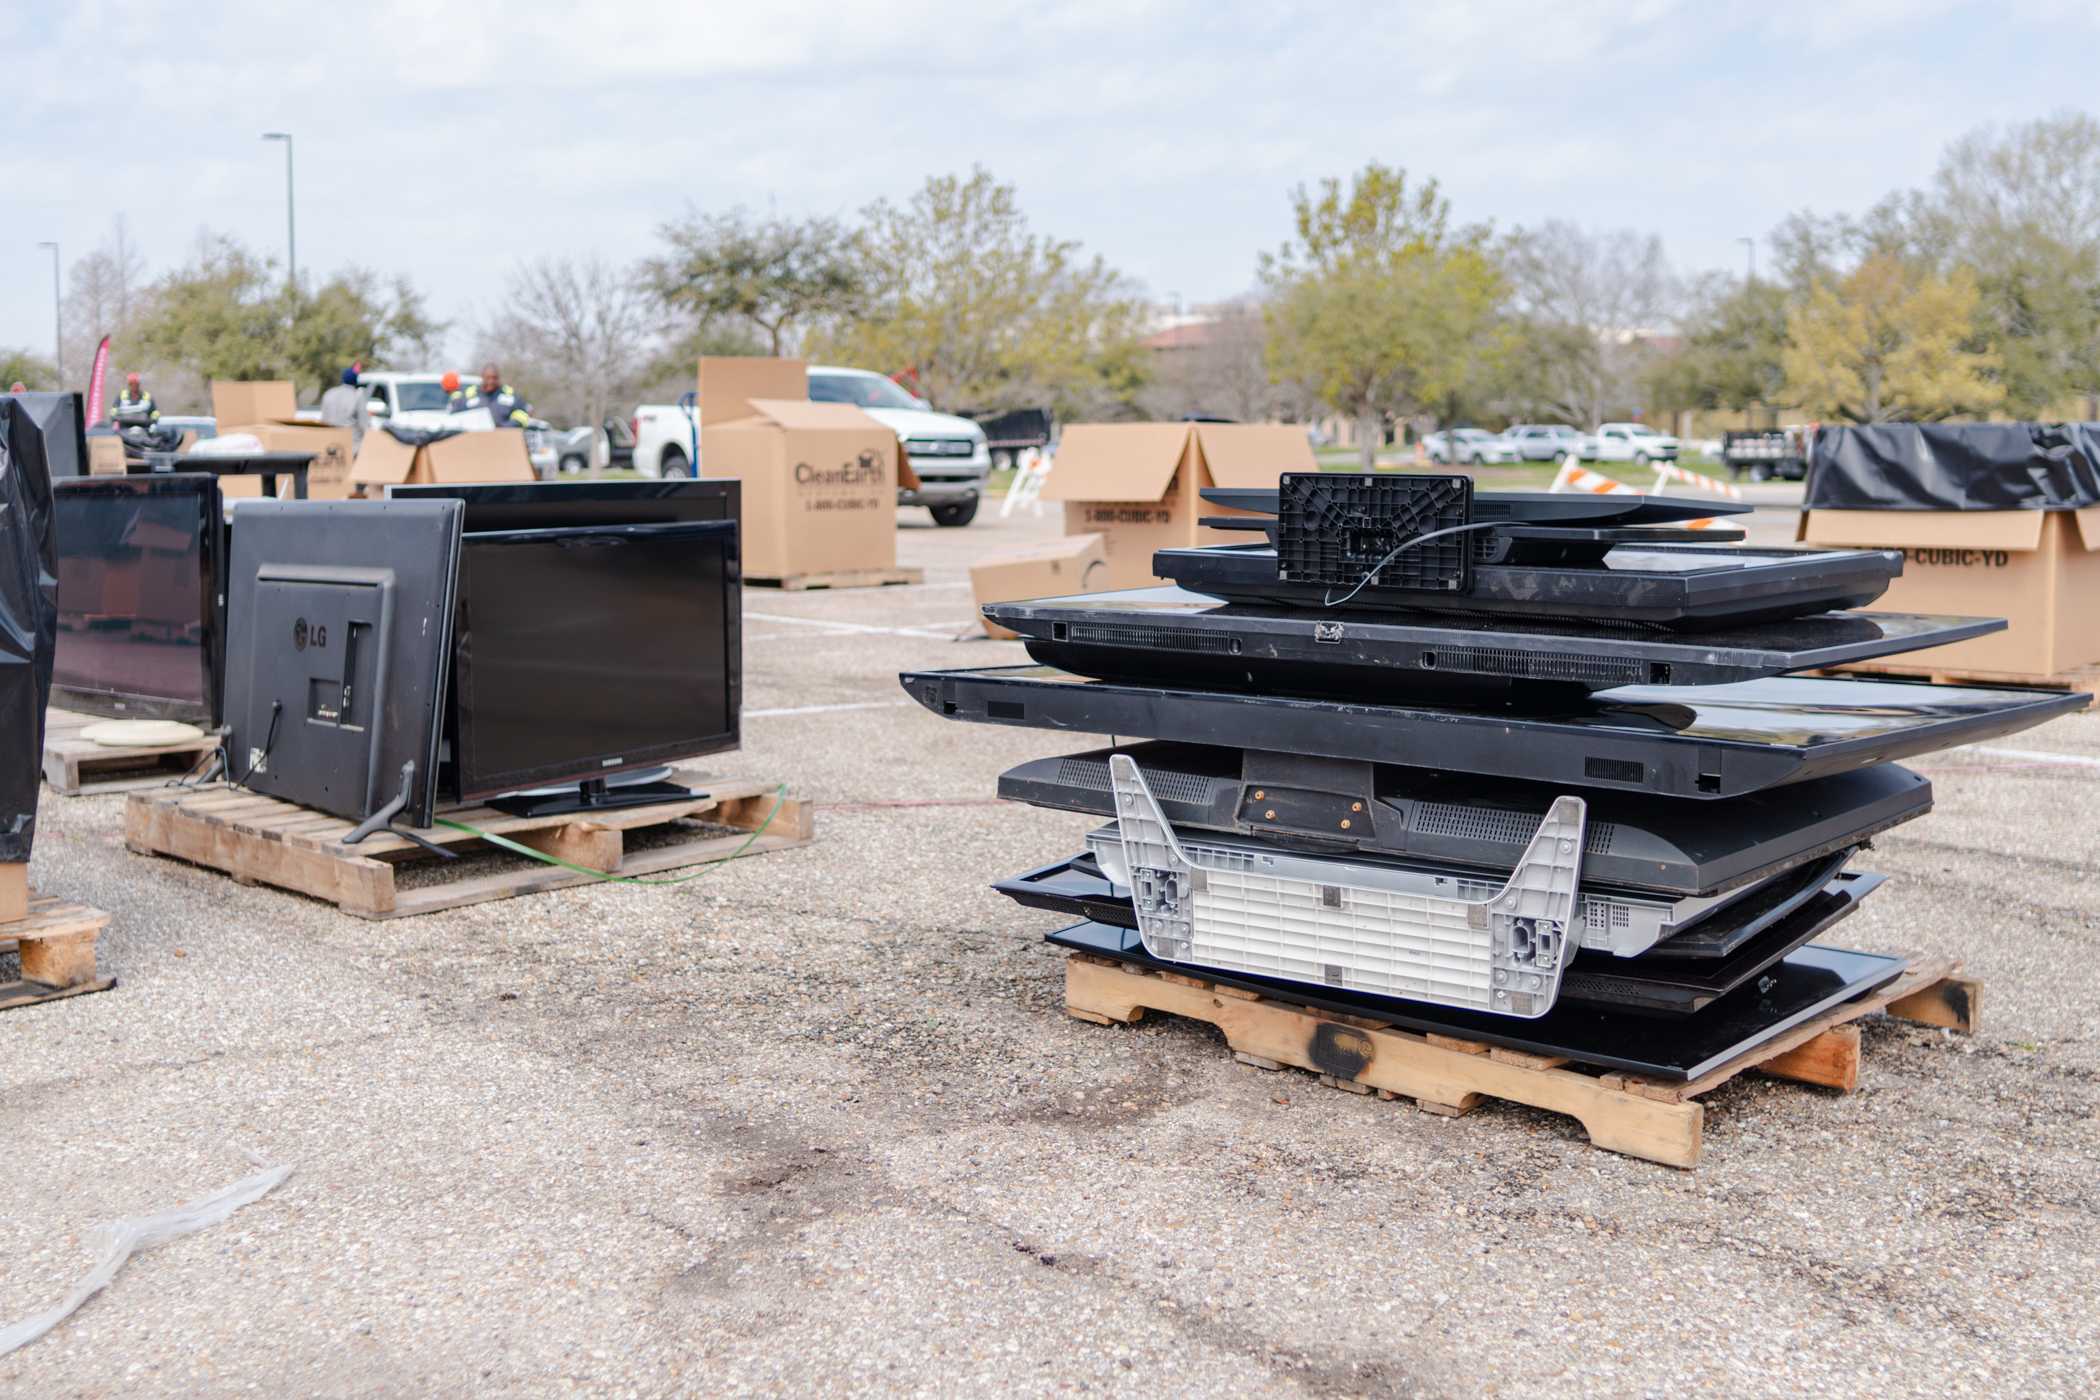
x: 28, y: 617
x: 1956, y: 466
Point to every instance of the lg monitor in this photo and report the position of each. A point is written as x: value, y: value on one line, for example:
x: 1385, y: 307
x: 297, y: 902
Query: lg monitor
x: 338, y: 647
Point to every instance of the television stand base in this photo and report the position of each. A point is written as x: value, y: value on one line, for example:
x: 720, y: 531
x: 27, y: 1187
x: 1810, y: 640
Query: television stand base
x: 594, y: 795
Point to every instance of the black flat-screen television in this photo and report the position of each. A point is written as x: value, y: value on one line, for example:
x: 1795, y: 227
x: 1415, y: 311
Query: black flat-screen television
x: 58, y: 421
x: 139, y: 561
x: 545, y: 505
x: 338, y: 643
x: 587, y: 653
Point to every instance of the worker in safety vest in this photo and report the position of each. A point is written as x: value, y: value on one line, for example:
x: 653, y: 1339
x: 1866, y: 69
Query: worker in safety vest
x: 134, y: 405
x: 505, y: 404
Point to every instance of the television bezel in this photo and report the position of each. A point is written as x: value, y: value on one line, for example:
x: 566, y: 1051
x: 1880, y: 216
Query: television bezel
x: 212, y: 555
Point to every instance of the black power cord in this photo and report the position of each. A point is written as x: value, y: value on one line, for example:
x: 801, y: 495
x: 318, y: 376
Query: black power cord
x: 1330, y: 601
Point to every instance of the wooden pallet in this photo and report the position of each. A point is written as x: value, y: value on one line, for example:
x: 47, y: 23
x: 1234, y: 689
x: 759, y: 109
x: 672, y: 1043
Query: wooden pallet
x: 260, y: 840
x: 2083, y: 678
x: 1656, y: 1120
x: 56, y: 943
x: 76, y: 767
x: 843, y: 578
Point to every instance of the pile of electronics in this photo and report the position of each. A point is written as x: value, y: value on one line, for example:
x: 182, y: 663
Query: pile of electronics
x: 545, y: 648
x: 1531, y: 769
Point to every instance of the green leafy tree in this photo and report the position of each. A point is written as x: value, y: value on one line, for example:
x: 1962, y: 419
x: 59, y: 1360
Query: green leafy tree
x: 1890, y: 344
x: 777, y: 275
x: 228, y: 316
x: 1734, y: 337
x: 30, y: 370
x: 982, y: 313
x: 1379, y: 307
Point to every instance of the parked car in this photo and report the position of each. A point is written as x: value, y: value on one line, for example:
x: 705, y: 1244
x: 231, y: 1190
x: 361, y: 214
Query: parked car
x: 1629, y: 442
x: 1767, y: 454
x: 1468, y: 447
x: 1543, y: 442
x: 664, y: 439
x: 948, y: 454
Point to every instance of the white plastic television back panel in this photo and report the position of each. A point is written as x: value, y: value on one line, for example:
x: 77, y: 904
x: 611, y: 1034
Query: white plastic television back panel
x: 1288, y: 916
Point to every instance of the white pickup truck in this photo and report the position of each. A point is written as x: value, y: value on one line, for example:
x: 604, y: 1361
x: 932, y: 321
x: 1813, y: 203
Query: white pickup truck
x: 947, y: 453
x: 420, y: 401
x: 1629, y: 442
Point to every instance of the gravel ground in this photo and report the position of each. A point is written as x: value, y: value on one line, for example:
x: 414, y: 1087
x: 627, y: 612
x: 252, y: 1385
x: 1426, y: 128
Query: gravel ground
x: 817, y: 1123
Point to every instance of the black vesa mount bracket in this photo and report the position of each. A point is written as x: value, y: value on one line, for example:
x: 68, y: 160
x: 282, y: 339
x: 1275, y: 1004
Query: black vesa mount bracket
x: 1348, y: 530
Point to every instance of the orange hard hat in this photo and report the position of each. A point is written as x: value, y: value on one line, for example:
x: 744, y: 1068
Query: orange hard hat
x: 450, y: 381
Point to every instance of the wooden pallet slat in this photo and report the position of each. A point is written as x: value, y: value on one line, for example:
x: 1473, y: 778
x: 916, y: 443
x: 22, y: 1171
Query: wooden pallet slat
x: 1651, y: 1119
x: 55, y: 942
x: 2078, y: 678
x: 262, y: 840
x: 840, y: 578
x: 77, y: 767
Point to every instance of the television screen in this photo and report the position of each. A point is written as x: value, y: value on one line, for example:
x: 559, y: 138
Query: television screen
x: 57, y: 419
x: 338, y: 640
x: 138, y: 578
x: 585, y: 652
x: 503, y: 506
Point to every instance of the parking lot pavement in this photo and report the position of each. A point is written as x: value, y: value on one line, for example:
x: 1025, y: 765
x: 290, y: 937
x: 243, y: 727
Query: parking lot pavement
x: 817, y: 1122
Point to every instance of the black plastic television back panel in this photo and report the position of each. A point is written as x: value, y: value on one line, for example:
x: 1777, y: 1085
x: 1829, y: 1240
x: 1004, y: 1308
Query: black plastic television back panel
x: 1377, y: 531
x: 549, y: 505
x: 1703, y: 742
x: 338, y: 647
x: 139, y: 570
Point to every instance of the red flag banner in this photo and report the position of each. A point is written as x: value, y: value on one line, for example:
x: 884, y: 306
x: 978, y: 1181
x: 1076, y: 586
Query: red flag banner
x: 94, y: 402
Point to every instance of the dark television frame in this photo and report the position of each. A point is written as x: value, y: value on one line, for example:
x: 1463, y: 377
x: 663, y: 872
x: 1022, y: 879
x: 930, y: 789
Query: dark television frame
x: 213, y: 560
x: 586, y: 767
x: 540, y: 503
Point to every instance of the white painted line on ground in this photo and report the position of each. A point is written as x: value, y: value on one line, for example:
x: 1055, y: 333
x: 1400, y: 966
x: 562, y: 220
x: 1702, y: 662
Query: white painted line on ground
x: 841, y: 628
x: 2069, y: 760
x: 828, y: 709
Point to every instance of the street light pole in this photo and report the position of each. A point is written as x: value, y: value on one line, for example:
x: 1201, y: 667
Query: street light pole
x: 58, y: 323
x: 1750, y: 247
x: 291, y: 225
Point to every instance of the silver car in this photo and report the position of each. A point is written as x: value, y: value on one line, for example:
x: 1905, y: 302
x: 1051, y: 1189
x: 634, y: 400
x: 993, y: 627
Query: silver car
x: 1468, y: 447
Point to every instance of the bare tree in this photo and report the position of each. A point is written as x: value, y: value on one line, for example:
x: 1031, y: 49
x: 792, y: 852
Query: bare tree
x: 105, y: 295
x: 576, y: 334
x: 1219, y: 370
x: 1584, y: 298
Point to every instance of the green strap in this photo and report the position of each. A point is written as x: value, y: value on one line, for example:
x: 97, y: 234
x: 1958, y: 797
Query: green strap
x: 707, y: 867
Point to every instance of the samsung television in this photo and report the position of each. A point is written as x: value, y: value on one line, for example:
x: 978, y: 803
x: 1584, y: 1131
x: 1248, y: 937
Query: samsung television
x: 139, y: 563
x: 587, y: 656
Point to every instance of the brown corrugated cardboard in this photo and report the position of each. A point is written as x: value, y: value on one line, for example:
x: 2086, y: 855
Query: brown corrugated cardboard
x: 238, y: 401
x: 820, y: 479
x: 329, y: 476
x: 1136, y: 484
x: 14, y: 891
x: 820, y: 486
x: 2039, y: 570
x: 728, y: 384
x: 105, y: 455
x: 493, y: 455
x: 1073, y: 564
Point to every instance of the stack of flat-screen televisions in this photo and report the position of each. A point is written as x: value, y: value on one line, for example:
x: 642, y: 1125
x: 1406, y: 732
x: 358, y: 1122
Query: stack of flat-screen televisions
x: 545, y: 647
x: 1522, y: 768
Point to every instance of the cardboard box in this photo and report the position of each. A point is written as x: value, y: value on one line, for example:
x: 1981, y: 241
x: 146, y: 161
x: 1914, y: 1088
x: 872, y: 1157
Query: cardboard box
x: 819, y: 479
x: 238, y: 401
x: 106, y: 455
x: 2039, y: 570
x: 1136, y: 484
x: 495, y: 454
x: 1074, y: 564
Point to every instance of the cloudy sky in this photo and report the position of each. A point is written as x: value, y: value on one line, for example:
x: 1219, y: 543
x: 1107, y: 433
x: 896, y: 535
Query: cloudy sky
x: 1165, y: 135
